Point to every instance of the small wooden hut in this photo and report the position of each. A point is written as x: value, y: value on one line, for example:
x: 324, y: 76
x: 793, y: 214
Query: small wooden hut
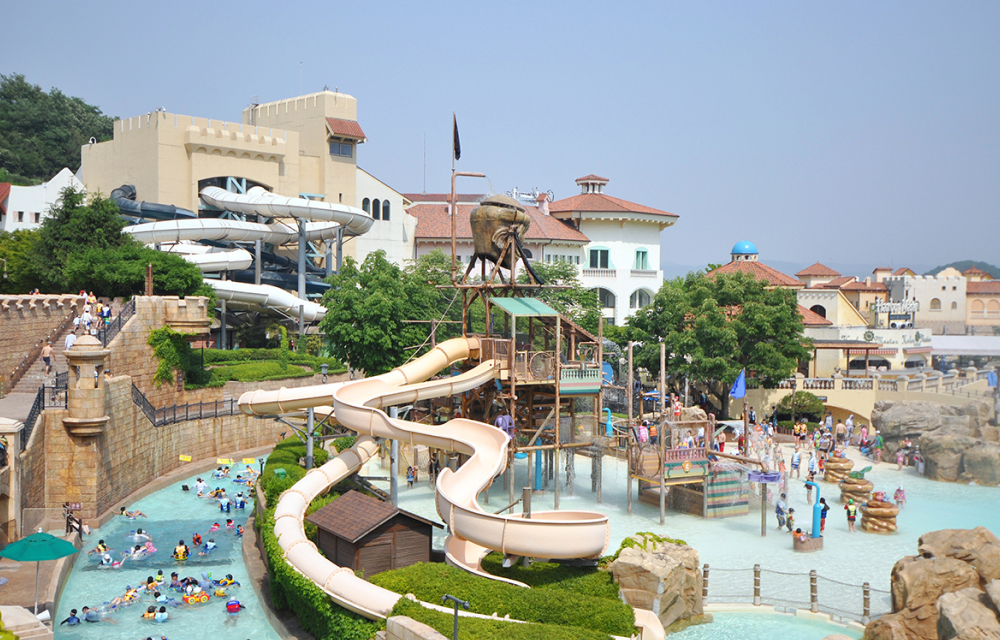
x: 360, y: 532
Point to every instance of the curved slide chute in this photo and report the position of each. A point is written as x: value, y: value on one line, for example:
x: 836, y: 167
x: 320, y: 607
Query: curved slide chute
x: 358, y: 406
x: 211, y: 259
x: 264, y: 296
x: 261, y: 202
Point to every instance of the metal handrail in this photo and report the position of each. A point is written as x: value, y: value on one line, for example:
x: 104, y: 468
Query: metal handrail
x: 182, y: 412
x: 109, y: 331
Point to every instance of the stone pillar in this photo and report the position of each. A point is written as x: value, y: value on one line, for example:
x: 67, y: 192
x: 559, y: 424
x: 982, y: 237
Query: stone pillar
x: 838, y: 381
x: 86, y: 415
x: 10, y: 482
x: 921, y: 381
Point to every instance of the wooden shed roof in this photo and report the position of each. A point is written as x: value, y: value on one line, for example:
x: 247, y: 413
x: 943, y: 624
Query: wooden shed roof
x: 354, y: 515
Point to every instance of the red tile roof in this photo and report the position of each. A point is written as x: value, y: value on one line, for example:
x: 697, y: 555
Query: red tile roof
x: 865, y: 286
x: 433, y: 221
x: 345, y: 128
x: 591, y: 178
x: 902, y: 271
x: 4, y: 192
x: 986, y: 287
x: 817, y: 270
x: 462, y: 198
x: 971, y: 271
x: 601, y: 202
x: 812, y: 319
x: 760, y: 271
x: 836, y: 283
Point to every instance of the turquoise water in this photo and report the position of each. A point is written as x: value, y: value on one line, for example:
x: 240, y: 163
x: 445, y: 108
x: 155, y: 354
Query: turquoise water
x: 173, y: 514
x: 761, y: 626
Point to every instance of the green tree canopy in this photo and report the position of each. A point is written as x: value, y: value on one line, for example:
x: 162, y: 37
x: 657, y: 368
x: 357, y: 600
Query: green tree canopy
x: 807, y: 405
x: 17, y: 251
x: 724, y: 323
x: 40, y: 133
x: 578, y: 303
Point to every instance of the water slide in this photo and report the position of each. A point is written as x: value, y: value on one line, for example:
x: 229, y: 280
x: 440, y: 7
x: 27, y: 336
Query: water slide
x: 124, y: 197
x: 261, y: 297
x: 473, y: 532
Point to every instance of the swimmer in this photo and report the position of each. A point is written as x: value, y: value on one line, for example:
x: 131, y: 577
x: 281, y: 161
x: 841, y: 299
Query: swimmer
x: 240, y: 501
x: 132, y: 515
x: 208, y: 548
x: 239, y: 531
x: 214, y: 528
x: 233, y: 608
x: 150, y: 613
x: 111, y: 563
x: 230, y: 524
x: 181, y: 551
x: 161, y: 615
x: 101, y: 548
x: 175, y: 582
x: 149, y: 548
x: 137, y: 553
x: 140, y: 535
x: 227, y: 581
x: 72, y: 620
x: 224, y: 504
x: 200, y: 486
x: 899, y: 495
x: 852, y: 514
x: 196, y: 539
x: 160, y: 578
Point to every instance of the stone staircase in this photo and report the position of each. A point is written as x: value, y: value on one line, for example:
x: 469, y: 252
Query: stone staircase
x: 23, y: 624
x: 34, y: 377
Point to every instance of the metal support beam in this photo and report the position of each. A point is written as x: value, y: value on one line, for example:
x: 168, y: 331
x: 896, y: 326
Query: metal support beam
x: 310, y: 426
x: 256, y: 261
x: 394, y: 463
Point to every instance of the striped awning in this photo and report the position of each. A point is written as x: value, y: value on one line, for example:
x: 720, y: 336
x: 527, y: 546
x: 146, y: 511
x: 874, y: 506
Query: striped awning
x: 918, y: 349
x: 873, y: 352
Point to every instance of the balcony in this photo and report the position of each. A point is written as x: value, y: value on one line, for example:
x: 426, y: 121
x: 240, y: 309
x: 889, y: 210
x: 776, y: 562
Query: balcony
x: 600, y: 273
x: 643, y: 273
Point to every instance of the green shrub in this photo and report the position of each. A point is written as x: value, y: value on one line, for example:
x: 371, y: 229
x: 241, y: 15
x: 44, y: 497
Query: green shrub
x: 479, y: 629
x: 173, y: 353
x: 631, y: 542
x: 588, y: 581
x: 317, y: 613
x: 286, y: 455
x: 428, y: 582
x: 256, y: 372
x: 344, y: 443
x: 312, y: 531
x: 218, y: 356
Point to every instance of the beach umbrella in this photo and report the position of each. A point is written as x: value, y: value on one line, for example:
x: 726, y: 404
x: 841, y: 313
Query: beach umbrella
x: 38, y: 547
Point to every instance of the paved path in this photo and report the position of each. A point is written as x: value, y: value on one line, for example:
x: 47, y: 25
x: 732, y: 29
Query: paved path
x: 20, y: 587
x: 16, y: 405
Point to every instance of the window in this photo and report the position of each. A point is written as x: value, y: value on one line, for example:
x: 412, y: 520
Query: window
x: 954, y: 306
x: 20, y: 216
x: 936, y: 304
x: 385, y: 209
x: 598, y: 258
x: 607, y: 298
x: 366, y: 204
x: 342, y: 149
x: 578, y: 259
x: 819, y: 310
x: 641, y: 260
x: 376, y: 209
x: 978, y: 308
x: 36, y: 216
x: 639, y: 299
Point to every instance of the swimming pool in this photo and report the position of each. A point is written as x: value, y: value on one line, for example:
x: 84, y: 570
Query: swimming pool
x: 173, y: 515
x: 762, y: 626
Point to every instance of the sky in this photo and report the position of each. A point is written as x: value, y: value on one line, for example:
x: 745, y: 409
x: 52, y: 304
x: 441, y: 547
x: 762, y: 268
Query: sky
x: 857, y: 134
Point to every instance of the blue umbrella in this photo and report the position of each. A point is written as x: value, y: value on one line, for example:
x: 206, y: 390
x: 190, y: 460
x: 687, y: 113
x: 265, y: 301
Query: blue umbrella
x: 38, y: 547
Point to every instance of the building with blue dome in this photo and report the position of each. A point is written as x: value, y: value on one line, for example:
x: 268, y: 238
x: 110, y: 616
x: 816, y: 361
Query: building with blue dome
x: 744, y: 250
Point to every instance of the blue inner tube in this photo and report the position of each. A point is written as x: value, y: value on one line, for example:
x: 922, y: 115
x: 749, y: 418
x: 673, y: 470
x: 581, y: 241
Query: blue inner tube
x: 520, y: 455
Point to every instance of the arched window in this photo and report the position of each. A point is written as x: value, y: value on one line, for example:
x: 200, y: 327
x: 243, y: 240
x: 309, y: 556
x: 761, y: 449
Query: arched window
x: 978, y: 309
x: 935, y: 304
x: 366, y: 205
x: 376, y: 209
x: 993, y: 309
x: 819, y: 310
x: 639, y: 299
x: 385, y: 209
x: 954, y: 306
x: 607, y: 298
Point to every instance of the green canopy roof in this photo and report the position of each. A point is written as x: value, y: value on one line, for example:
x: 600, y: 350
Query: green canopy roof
x: 524, y: 306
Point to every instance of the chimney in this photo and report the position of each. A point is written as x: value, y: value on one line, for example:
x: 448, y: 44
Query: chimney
x: 543, y: 203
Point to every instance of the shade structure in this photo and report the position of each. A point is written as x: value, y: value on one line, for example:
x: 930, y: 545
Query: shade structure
x: 38, y: 547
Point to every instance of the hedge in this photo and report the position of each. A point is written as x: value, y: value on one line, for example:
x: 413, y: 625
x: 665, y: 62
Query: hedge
x: 219, y: 356
x: 588, y: 581
x: 428, y: 582
x: 317, y: 613
x: 479, y: 629
x: 286, y: 456
x: 256, y: 372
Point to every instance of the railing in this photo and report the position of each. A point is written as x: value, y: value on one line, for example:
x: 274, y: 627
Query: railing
x: 534, y: 366
x: 495, y: 349
x: 36, y: 349
x: 181, y: 412
x: 887, y: 385
x: 54, y: 397
x: 108, y: 332
x: 680, y: 455
x: 600, y: 273
x: 862, y: 384
x: 818, y: 383
x: 643, y: 273
x: 787, y: 591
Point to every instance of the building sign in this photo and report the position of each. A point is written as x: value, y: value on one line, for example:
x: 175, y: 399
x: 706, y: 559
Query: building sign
x: 899, y: 337
x: 906, y: 306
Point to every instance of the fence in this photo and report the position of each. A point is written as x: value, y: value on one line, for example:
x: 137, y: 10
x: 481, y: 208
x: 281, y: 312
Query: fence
x: 108, y: 332
x: 37, y: 518
x: 54, y: 397
x: 786, y: 591
x: 181, y: 412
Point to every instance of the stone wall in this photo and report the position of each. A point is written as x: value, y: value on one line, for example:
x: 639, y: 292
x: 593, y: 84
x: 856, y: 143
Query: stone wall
x: 27, y: 321
x: 133, y: 452
x: 234, y: 389
x: 33, y: 467
x: 403, y: 628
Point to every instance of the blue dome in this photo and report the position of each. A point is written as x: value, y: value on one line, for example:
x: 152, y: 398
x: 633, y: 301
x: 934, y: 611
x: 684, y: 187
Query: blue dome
x: 744, y: 248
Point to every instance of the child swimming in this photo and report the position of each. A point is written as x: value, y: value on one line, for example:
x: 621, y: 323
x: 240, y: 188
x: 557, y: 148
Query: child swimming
x: 230, y: 524
x: 196, y: 539
x: 214, y: 527
x: 208, y: 548
x: 132, y: 515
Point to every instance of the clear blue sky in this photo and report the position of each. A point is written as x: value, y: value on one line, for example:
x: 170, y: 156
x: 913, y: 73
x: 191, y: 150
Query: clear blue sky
x: 847, y: 132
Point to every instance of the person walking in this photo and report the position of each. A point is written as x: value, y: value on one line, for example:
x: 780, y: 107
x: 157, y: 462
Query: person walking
x: 852, y: 514
x: 70, y: 340
x: 849, y: 424
x: 822, y: 514
x: 780, y: 509
x: 47, y: 352
x: 796, y: 463
x: 841, y: 432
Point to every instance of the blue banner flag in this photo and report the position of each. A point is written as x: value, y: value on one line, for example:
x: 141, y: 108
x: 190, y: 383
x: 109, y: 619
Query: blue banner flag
x: 991, y: 378
x: 739, y: 389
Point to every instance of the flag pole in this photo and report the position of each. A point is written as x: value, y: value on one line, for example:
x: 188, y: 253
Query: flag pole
x: 454, y: 244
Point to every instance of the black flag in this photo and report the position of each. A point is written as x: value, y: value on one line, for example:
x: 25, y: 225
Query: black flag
x: 456, y: 144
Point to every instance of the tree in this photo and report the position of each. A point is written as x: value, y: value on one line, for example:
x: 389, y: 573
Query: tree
x: 806, y: 406
x: 724, y: 323
x: 366, y: 308
x: 17, y: 251
x: 576, y: 302
x: 40, y: 133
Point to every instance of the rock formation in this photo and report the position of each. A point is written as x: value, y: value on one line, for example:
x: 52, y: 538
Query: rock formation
x: 836, y: 469
x: 662, y: 577
x: 957, y: 443
x: 948, y: 591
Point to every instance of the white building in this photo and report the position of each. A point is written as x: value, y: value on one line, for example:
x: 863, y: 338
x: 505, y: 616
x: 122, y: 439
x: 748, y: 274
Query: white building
x: 622, y: 258
x: 394, y: 229
x: 26, y: 207
x: 941, y: 299
x: 615, y: 243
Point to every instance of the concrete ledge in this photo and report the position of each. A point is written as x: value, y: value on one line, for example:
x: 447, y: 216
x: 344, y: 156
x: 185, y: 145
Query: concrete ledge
x: 285, y: 623
x: 403, y: 628
x: 766, y: 609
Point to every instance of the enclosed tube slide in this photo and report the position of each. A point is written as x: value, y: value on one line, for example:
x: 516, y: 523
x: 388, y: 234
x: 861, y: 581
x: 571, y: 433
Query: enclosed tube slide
x: 357, y: 406
x: 124, y: 197
x: 261, y: 202
x: 263, y: 296
x: 211, y: 259
x: 228, y: 230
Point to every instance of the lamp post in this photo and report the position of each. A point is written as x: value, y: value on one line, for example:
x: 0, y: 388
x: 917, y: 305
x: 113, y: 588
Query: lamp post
x: 324, y: 369
x: 455, y: 602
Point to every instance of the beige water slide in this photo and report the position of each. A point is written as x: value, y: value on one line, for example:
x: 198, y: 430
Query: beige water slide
x: 473, y: 532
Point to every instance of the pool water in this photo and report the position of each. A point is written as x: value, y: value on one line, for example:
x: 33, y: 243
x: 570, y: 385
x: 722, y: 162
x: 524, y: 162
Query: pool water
x: 173, y: 515
x: 761, y: 626
x: 736, y: 543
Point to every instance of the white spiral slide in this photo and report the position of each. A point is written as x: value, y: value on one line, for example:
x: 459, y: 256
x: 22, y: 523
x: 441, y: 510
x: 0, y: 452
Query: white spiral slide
x: 473, y: 532
x: 264, y: 296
